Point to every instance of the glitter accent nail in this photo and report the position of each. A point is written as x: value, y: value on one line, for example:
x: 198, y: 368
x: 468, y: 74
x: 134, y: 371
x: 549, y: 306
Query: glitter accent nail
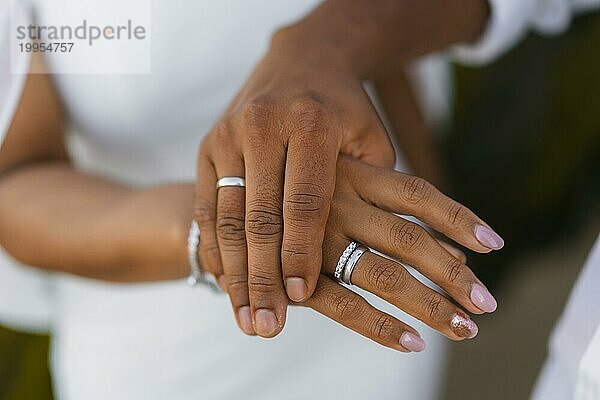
x: 463, y: 326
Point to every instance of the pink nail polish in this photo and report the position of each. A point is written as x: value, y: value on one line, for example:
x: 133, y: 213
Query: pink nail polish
x: 488, y: 237
x: 483, y: 299
x: 412, y: 342
x: 246, y: 320
x: 463, y: 326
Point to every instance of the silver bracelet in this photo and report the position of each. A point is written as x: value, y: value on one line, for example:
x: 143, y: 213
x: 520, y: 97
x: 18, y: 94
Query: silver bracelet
x: 197, y: 276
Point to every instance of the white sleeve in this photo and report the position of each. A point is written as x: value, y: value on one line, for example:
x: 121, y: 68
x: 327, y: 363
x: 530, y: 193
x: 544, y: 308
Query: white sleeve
x: 510, y: 20
x: 13, y: 67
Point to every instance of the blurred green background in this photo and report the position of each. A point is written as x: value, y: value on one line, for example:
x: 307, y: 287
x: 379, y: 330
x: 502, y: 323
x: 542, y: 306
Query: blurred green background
x: 526, y: 133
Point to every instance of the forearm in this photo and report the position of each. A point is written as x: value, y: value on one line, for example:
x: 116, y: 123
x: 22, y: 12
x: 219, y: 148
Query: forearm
x: 56, y: 218
x: 369, y: 34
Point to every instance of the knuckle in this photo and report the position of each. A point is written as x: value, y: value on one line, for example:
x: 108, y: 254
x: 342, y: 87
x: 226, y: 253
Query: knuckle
x: 203, y: 212
x: 406, y: 234
x: 263, y: 223
x: 416, y: 190
x: 348, y: 307
x: 261, y: 283
x: 382, y: 328
x: 309, y: 120
x: 305, y: 199
x: 433, y: 305
x: 385, y: 277
x: 453, y: 271
x: 231, y: 230
x: 223, y: 135
x: 258, y: 113
x: 457, y: 214
x: 295, y: 253
x: 237, y: 283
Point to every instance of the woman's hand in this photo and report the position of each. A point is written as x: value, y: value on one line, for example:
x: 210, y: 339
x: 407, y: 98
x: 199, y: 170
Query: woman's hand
x: 364, y: 200
x: 361, y: 211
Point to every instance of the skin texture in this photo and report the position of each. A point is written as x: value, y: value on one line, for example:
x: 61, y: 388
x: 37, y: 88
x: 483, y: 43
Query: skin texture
x: 58, y: 218
x: 303, y: 105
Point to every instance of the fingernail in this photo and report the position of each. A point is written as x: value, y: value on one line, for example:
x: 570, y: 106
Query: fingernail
x: 412, y: 342
x: 463, y: 326
x: 265, y: 322
x: 246, y: 320
x: 488, y: 237
x: 296, y: 289
x: 483, y: 299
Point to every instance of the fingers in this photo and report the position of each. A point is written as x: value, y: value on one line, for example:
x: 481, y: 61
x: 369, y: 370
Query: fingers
x: 264, y: 229
x: 309, y: 184
x: 456, y: 253
x: 406, y: 194
x: 205, y: 213
x: 393, y: 283
x: 231, y: 237
x: 410, y: 243
x: 352, y: 311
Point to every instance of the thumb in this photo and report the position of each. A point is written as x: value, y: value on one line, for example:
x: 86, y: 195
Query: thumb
x: 374, y: 148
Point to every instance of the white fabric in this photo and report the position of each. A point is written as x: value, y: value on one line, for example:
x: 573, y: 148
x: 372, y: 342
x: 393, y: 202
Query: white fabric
x: 511, y: 19
x: 163, y: 340
x: 573, y: 362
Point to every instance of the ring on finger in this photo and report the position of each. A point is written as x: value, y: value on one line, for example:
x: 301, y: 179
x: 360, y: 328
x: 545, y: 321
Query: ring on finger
x: 231, y: 181
x: 343, y: 260
x: 352, y: 262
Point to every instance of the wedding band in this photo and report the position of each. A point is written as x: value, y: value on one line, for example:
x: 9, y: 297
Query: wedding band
x: 231, y: 181
x: 352, y: 262
x: 341, y: 264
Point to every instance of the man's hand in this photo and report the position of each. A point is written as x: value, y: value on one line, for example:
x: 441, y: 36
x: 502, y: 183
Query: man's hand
x: 283, y: 132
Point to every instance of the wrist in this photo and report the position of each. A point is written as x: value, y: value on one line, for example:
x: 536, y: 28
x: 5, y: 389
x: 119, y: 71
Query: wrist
x: 359, y: 35
x: 366, y: 36
x: 152, y: 228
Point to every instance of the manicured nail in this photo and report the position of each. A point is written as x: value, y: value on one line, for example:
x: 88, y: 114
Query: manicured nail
x: 412, y: 342
x: 296, y: 289
x: 483, y: 299
x: 488, y: 237
x: 463, y: 326
x: 265, y: 322
x: 246, y: 320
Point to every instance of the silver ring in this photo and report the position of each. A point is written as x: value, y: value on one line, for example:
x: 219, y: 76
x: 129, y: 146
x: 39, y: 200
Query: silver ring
x: 231, y: 181
x: 341, y: 264
x: 352, y: 262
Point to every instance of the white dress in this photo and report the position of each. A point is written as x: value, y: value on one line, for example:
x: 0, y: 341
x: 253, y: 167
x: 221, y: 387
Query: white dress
x: 163, y: 340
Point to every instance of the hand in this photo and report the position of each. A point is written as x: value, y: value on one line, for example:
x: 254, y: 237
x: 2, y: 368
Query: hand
x: 361, y: 210
x: 283, y: 132
x: 364, y: 200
